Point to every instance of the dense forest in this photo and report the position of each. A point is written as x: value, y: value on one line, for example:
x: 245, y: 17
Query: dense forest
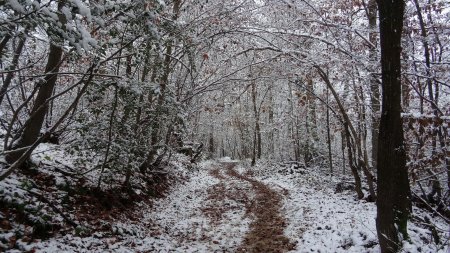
x: 224, y: 126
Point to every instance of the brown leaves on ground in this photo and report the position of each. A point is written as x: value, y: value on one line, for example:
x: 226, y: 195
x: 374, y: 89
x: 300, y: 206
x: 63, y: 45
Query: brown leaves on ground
x: 81, y: 203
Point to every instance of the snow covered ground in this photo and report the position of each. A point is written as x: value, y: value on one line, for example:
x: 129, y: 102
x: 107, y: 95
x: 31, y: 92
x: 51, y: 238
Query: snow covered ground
x: 208, y: 212
x: 177, y: 223
x: 183, y: 215
x: 321, y: 220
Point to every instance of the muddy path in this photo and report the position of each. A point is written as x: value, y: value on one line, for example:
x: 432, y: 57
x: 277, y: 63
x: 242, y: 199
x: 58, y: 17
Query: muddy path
x: 263, y: 204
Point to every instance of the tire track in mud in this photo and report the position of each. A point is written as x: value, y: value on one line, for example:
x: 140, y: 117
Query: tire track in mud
x: 266, y: 232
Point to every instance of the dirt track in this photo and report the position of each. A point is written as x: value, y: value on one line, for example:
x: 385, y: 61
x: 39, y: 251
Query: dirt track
x: 263, y: 205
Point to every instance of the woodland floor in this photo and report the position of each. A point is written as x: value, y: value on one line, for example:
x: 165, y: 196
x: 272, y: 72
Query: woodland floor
x: 226, y: 206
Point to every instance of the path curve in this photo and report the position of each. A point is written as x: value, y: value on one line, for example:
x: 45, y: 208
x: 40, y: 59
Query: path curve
x: 266, y: 232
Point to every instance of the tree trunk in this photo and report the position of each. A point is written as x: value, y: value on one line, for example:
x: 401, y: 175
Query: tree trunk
x: 211, y: 147
x: 12, y: 67
x: 363, y: 162
x: 3, y: 43
x: 353, y: 165
x: 256, y: 145
x: 330, y: 156
x: 353, y: 144
x: 34, y: 124
x: 445, y: 143
x: 271, y: 131
x: 257, y: 140
x: 253, y: 163
x: 343, y: 151
x: 374, y: 84
x: 433, y: 98
x: 110, y: 136
x: 393, y: 203
x: 306, y: 149
x: 165, y: 78
x: 312, y: 111
x: 426, y: 51
x: 293, y: 126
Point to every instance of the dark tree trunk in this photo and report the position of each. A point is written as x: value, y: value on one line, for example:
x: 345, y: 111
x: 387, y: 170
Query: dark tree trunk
x: 393, y: 203
x: 255, y: 134
x: 353, y: 165
x: 34, y: 124
x: 343, y: 151
x: 3, y: 43
x: 330, y: 155
x: 257, y: 137
x: 271, y: 131
x: 12, y: 68
x: 211, y: 147
x: 158, y: 121
x: 426, y: 49
x: 253, y: 163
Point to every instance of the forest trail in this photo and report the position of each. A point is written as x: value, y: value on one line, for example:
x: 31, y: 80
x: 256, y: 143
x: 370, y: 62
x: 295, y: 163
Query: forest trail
x: 223, y: 206
x: 262, y: 204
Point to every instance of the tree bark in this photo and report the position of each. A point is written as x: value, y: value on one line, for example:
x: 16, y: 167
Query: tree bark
x: 164, y: 78
x: 353, y: 144
x: 34, y: 124
x: 12, y: 67
x: 393, y: 203
x: 330, y: 155
x: 3, y: 43
x: 211, y: 147
x: 271, y: 131
x: 28, y: 150
x: 352, y: 163
x: 110, y: 137
x: 426, y: 52
x: 343, y: 151
x: 374, y: 84
x: 257, y: 139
